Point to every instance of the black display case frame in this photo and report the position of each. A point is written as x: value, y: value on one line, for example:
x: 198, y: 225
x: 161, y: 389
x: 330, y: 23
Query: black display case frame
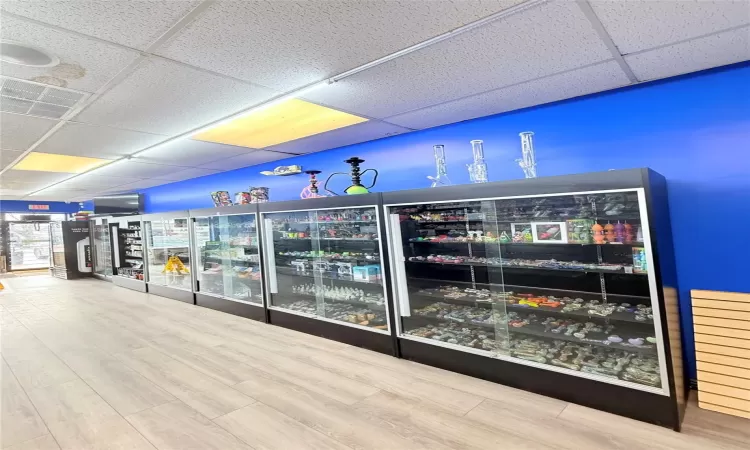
x: 183, y: 295
x: 658, y: 408
x: 330, y: 329
x: 221, y: 303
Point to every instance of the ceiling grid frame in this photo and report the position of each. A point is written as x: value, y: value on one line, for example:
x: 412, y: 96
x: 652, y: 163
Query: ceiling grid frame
x: 196, y: 12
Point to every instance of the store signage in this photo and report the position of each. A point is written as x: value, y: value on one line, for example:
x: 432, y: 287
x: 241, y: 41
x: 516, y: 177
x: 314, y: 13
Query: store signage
x: 39, y: 207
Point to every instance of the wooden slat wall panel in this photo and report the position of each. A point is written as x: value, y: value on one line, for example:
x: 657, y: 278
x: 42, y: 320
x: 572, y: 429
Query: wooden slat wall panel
x: 718, y: 331
x: 723, y: 341
x: 722, y: 346
x: 722, y: 409
x: 717, y: 304
x: 722, y: 400
x: 727, y: 391
x: 719, y: 295
x: 724, y: 379
x: 723, y: 350
x: 724, y: 370
x: 722, y: 313
x: 723, y: 323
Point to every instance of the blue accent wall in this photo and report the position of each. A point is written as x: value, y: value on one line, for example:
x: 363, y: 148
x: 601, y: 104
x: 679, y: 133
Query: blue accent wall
x: 20, y: 206
x: 694, y: 130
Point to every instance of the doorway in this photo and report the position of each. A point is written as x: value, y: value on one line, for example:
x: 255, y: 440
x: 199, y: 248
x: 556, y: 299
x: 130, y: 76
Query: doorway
x: 28, y: 245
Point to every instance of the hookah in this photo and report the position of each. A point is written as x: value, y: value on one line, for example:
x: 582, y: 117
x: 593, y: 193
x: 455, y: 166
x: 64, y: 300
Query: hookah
x: 478, y: 169
x: 528, y: 160
x: 442, y: 171
x: 311, y: 190
x: 356, y: 186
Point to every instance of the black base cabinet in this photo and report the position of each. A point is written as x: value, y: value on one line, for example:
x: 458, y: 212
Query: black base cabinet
x: 559, y: 285
x: 174, y: 294
x: 231, y: 307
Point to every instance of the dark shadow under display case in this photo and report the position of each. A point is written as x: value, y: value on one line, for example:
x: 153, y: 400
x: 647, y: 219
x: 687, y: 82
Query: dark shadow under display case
x: 227, y: 255
x: 549, y: 285
x: 324, y: 269
x: 168, y: 255
x: 128, y: 254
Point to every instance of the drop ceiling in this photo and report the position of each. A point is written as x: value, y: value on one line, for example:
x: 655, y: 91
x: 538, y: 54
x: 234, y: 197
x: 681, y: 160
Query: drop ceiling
x: 152, y: 74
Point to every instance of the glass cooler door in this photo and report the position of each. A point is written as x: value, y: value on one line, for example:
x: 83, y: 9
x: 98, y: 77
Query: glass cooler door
x: 102, y: 249
x: 566, y: 276
x: 326, y: 264
x: 168, y: 250
x: 228, y: 257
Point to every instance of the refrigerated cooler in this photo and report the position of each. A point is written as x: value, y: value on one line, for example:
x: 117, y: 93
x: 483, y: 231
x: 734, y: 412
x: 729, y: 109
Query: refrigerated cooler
x: 128, y: 252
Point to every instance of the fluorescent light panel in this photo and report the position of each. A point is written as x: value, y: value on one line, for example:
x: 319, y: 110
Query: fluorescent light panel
x: 51, y: 162
x: 286, y: 121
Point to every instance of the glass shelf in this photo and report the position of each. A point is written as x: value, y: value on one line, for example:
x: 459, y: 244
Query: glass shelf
x: 228, y: 258
x: 560, y: 281
x: 327, y: 264
x: 168, y: 253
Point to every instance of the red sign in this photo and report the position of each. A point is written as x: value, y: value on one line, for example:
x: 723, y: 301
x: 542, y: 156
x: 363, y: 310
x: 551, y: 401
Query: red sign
x: 39, y: 207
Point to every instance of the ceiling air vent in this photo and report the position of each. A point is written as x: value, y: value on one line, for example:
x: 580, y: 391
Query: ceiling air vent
x: 36, y: 99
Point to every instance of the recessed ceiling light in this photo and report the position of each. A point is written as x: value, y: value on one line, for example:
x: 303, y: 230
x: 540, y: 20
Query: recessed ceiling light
x: 286, y: 121
x: 51, y: 162
x: 26, y: 54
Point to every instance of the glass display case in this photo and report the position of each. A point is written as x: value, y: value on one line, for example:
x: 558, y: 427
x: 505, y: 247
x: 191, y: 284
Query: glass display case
x: 128, y: 252
x: 168, y: 255
x: 562, y: 281
x: 99, y: 228
x: 325, y: 264
x: 227, y: 259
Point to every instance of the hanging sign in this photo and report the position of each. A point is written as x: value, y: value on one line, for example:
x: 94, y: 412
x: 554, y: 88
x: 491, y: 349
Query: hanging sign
x: 39, y: 207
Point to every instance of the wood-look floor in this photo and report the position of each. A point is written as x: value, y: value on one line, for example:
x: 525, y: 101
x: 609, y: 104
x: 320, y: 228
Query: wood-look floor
x: 87, y: 365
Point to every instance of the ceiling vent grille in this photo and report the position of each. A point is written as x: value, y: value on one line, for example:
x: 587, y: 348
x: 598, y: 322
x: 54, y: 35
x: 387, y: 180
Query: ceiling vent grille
x: 36, y: 99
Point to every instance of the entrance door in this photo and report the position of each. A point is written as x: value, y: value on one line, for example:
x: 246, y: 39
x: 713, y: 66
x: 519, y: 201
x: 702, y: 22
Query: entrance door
x: 29, y: 245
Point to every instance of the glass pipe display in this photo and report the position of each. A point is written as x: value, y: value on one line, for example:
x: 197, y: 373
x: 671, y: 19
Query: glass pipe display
x: 311, y: 190
x: 356, y: 175
x: 528, y: 156
x: 442, y: 171
x: 477, y: 169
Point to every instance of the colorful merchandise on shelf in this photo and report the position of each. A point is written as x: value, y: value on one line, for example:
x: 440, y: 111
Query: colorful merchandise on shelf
x: 640, y: 265
x: 258, y: 194
x: 598, y: 232
x: 221, y: 198
x: 242, y: 198
x: 580, y: 231
x: 549, y: 233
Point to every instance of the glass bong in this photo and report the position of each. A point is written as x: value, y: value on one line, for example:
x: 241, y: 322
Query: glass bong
x: 442, y: 172
x: 478, y: 169
x: 356, y: 175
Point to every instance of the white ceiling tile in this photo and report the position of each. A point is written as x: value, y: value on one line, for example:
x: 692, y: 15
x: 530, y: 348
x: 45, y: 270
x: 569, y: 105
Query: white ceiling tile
x: 30, y: 180
x: 97, y: 141
x: 8, y: 196
x: 717, y: 50
x: 163, y: 97
x: 85, y: 64
x: 21, y: 132
x: 137, y: 186
x: 643, y: 24
x: 132, y: 23
x: 288, y: 44
x: 600, y: 77
x: 541, y: 41
x: 54, y: 194
x: 92, y: 181
x: 186, y: 174
x: 129, y: 168
x: 188, y: 152
x: 7, y: 157
x: 248, y: 159
x: 354, y: 134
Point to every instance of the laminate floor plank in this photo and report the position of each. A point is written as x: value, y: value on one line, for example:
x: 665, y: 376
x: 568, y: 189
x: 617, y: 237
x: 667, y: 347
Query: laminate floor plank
x: 177, y: 426
x: 79, y: 418
x: 264, y: 428
x: 19, y: 421
x: 46, y: 442
x: 94, y: 366
x: 329, y: 417
x: 203, y: 393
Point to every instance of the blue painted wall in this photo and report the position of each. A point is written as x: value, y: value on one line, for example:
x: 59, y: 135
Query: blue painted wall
x: 20, y: 206
x: 695, y: 130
